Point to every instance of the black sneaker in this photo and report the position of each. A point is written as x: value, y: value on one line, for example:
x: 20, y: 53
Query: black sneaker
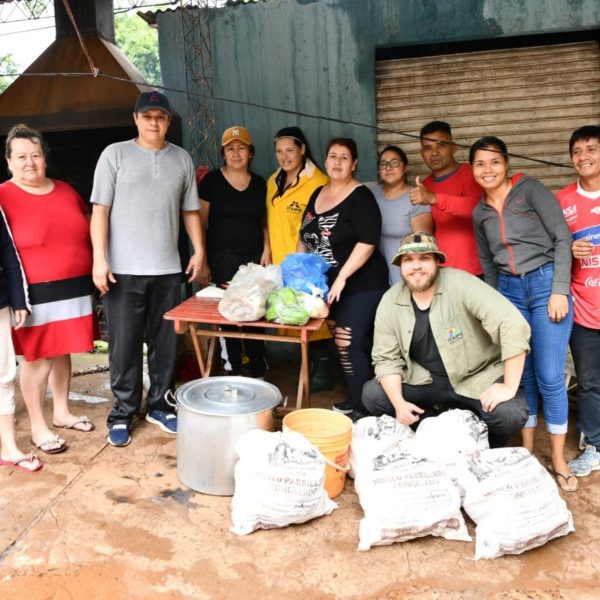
x: 345, y: 408
x: 357, y: 415
x: 259, y: 369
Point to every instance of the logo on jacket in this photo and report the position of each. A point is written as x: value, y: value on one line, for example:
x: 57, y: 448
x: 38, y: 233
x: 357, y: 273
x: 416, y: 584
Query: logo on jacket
x: 454, y: 334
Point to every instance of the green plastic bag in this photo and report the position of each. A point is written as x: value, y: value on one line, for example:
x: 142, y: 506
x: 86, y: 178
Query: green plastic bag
x: 285, y: 306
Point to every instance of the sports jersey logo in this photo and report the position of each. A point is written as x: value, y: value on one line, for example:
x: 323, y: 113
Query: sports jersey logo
x: 294, y: 207
x: 570, y: 212
x: 591, y: 234
x: 592, y: 282
x: 595, y: 210
x: 590, y: 262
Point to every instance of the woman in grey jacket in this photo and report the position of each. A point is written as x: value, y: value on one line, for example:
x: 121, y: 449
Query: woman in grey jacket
x: 524, y: 246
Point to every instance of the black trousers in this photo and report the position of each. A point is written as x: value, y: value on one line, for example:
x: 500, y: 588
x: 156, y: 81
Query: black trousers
x: 503, y: 422
x: 134, y: 308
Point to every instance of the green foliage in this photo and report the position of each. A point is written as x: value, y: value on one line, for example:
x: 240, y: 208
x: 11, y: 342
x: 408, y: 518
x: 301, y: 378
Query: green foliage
x: 35, y: 8
x: 7, y: 67
x: 139, y: 42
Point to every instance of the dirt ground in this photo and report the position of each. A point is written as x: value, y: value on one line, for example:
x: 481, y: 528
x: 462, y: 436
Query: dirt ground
x: 104, y: 522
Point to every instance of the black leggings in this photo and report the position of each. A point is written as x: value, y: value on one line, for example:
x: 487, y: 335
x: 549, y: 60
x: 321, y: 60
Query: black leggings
x: 351, y: 323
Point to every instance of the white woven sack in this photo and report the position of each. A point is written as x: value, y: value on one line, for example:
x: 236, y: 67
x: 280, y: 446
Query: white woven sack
x: 454, y: 432
x: 513, y: 500
x: 403, y: 496
x: 447, y: 437
x: 372, y: 435
x: 279, y: 480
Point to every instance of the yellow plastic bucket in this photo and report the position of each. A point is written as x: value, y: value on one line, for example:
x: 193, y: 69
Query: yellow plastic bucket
x: 331, y: 433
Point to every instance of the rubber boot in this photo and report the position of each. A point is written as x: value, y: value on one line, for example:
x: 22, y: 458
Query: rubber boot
x: 321, y: 377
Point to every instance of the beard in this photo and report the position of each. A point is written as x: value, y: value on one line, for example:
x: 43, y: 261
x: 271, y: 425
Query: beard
x: 424, y: 285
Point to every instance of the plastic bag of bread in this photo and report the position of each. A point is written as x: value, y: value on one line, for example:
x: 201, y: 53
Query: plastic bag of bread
x: 245, y: 298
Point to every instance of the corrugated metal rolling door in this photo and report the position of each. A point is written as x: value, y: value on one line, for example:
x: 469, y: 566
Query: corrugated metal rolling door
x: 532, y: 98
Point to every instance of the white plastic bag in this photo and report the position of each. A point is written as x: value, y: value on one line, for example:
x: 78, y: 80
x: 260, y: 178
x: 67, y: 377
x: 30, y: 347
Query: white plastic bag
x: 514, y: 501
x: 279, y: 480
x: 315, y: 305
x: 246, y: 296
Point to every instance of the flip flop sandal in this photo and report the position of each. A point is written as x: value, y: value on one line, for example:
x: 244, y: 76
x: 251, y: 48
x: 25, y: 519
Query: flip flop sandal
x: 82, y: 420
x: 53, y: 445
x: 562, y: 481
x: 18, y: 464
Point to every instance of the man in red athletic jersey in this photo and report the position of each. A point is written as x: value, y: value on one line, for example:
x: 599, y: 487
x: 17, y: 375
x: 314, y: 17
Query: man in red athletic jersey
x: 580, y: 202
x: 452, y: 193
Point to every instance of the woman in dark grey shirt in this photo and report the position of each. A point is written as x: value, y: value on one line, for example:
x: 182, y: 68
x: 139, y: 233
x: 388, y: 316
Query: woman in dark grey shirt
x: 524, y: 245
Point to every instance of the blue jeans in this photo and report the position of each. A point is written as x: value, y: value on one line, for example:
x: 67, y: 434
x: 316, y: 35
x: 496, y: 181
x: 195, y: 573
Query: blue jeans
x: 543, y: 375
x: 585, y: 347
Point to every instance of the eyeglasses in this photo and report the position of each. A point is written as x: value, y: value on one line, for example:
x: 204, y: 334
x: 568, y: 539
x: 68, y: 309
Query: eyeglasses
x: 392, y: 164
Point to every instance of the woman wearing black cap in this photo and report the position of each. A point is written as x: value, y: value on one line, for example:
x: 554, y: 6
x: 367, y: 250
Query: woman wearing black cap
x: 288, y: 192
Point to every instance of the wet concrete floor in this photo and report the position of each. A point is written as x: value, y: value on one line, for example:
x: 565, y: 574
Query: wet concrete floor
x: 102, y: 522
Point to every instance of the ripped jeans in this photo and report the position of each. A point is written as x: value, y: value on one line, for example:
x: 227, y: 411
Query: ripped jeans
x: 352, y: 329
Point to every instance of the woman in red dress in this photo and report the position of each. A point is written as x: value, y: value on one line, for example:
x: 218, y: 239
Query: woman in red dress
x: 49, y: 224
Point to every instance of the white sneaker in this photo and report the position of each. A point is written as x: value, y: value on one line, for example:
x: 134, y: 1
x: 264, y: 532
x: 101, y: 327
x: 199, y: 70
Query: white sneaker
x: 585, y: 463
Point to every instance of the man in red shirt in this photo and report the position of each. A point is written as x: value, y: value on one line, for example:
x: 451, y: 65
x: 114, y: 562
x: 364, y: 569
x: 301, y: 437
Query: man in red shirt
x: 580, y: 202
x: 452, y: 193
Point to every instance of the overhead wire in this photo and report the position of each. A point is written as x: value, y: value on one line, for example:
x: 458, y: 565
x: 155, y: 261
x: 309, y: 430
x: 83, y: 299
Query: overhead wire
x: 95, y: 72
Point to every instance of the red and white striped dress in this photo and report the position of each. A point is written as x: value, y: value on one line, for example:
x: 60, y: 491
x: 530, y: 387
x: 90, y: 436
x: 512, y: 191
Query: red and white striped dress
x: 51, y: 233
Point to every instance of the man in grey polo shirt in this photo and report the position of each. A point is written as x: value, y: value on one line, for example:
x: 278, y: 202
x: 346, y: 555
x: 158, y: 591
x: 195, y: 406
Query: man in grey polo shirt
x: 141, y: 187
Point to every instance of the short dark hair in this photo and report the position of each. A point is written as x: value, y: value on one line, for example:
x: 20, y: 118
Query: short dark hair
x: 434, y: 126
x: 397, y: 150
x: 587, y: 132
x: 489, y: 142
x: 346, y: 142
x: 24, y: 132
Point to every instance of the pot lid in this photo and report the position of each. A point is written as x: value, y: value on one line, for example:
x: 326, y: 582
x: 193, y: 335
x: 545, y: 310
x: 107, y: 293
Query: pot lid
x: 226, y: 396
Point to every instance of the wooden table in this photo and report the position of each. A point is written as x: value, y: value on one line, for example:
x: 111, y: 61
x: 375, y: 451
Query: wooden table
x: 194, y: 313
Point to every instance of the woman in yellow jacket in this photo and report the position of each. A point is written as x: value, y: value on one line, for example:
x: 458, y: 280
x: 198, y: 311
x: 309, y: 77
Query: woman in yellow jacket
x: 288, y: 192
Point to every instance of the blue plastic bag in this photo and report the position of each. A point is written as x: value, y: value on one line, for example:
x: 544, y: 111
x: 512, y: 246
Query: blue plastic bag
x: 305, y: 272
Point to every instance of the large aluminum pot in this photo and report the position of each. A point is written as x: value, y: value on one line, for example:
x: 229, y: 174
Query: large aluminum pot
x: 212, y: 415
